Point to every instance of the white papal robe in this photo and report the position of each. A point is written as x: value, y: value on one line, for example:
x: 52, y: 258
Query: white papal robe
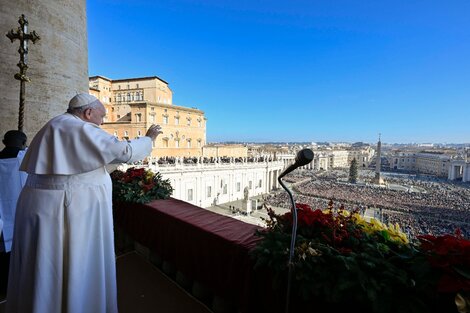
x: 12, y: 181
x: 63, y: 247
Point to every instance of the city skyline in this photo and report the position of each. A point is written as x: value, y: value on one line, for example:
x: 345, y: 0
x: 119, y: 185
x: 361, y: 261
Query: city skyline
x: 266, y: 71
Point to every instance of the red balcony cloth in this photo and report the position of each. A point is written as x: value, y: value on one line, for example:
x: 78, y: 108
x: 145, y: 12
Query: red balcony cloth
x: 207, y: 247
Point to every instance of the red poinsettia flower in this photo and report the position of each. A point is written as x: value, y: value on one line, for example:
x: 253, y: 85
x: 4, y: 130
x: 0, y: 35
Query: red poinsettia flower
x: 137, y: 172
x: 335, y: 241
x: 451, y: 256
x: 147, y: 187
x: 139, y: 185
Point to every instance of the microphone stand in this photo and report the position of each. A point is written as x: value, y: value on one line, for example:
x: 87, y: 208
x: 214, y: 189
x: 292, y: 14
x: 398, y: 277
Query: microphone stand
x: 290, y: 265
x: 302, y: 158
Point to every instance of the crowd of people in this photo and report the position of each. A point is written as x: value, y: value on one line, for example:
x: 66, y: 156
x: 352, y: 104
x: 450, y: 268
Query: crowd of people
x: 169, y: 160
x: 432, y: 207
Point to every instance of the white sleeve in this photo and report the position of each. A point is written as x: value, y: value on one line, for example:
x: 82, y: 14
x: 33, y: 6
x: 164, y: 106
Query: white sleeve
x: 137, y: 149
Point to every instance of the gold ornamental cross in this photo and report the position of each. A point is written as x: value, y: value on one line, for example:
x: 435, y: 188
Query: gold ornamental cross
x: 22, y: 35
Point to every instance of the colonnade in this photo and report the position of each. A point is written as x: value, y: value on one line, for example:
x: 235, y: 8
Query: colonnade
x: 459, y: 169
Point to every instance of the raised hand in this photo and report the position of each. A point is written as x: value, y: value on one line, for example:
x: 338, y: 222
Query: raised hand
x: 154, y: 131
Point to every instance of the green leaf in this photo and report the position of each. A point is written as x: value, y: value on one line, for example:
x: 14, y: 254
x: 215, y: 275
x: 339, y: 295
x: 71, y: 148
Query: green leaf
x: 464, y: 271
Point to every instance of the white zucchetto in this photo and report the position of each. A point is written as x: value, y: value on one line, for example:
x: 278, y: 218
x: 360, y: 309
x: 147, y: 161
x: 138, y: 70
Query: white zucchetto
x: 81, y: 99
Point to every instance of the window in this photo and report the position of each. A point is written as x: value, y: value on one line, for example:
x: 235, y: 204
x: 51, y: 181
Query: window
x: 225, y: 189
x: 165, y: 142
x: 118, y: 116
x: 260, y: 184
x: 190, y: 195
x: 250, y: 184
x: 115, y: 133
x: 188, y: 121
x: 189, y: 143
x: 126, y: 134
x: 209, y: 192
x: 152, y: 118
x: 199, y: 143
x: 139, y: 133
x: 165, y: 119
x: 177, y: 120
x: 138, y: 117
x: 177, y: 143
x: 199, y: 123
x: 136, y: 85
x: 238, y: 186
x: 128, y: 96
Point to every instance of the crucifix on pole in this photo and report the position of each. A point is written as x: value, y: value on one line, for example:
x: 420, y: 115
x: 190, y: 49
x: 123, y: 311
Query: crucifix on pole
x: 23, y: 36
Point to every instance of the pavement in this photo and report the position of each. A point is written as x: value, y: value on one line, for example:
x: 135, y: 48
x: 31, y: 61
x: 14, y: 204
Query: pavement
x: 235, y: 210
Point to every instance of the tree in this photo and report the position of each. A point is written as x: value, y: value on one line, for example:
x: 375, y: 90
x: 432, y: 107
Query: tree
x: 353, y: 171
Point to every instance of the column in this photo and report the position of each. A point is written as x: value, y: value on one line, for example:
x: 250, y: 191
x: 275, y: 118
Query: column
x: 275, y: 182
x: 199, y: 190
x: 450, y: 176
x: 466, y: 173
x: 58, y: 62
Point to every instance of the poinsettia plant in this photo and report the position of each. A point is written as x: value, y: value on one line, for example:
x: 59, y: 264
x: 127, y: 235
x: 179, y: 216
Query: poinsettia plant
x: 449, y: 255
x: 347, y: 261
x: 139, y: 185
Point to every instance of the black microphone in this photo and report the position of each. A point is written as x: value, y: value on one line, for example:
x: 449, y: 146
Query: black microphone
x: 302, y: 158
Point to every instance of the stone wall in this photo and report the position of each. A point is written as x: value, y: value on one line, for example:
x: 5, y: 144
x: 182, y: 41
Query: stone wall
x: 58, y: 62
x: 225, y: 151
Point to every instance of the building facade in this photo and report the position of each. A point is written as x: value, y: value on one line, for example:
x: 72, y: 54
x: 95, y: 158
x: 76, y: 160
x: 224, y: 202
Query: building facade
x: 433, y: 164
x: 363, y: 156
x: 436, y: 164
x: 339, y: 158
x: 208, y: 184
x: 216, y: 151
x: 133, y: 104
x: 403, y: 161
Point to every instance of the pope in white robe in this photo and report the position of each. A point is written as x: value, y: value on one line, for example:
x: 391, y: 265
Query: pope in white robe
x: 63, y: 245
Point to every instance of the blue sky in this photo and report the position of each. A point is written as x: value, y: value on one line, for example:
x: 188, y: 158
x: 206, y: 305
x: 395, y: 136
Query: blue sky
x: 298, y: 70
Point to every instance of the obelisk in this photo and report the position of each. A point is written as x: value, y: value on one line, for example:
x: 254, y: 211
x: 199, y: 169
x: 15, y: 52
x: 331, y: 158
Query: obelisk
x: 378, y: 163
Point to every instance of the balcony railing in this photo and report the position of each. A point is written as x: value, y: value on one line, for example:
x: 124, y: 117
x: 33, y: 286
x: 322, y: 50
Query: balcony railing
x: 204, y: 252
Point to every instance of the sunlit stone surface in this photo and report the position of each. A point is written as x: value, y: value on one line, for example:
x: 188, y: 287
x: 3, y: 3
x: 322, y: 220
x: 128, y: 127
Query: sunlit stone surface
x: 58, y: 62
